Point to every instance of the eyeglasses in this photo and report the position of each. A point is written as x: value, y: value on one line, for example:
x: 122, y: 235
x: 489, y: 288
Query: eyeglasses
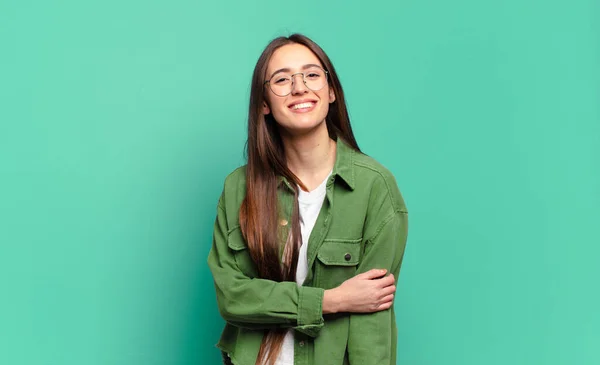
x: 281, y: 84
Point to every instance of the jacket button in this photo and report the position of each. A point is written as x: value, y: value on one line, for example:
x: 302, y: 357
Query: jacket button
x: 347, y: 257
x: 283, y: 222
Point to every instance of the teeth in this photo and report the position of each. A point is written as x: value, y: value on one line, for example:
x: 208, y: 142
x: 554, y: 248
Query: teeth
x: 303, y: 105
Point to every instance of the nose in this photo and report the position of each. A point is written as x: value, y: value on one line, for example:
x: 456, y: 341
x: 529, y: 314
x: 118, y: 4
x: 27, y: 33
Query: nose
x: 298, y: 86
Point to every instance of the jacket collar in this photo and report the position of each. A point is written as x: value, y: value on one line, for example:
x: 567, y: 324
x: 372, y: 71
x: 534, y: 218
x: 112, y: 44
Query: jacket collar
x: 344, y: 163
x: 343, y: 167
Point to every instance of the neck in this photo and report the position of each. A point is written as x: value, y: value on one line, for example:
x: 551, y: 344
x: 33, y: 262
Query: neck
x: 310, y: 156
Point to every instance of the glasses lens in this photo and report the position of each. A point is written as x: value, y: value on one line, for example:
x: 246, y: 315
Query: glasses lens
x: 281, y: 84
x: 315, y: 79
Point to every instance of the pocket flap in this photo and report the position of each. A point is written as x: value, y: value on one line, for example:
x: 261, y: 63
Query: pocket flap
x: 342, y: 253
x: 235, y: 240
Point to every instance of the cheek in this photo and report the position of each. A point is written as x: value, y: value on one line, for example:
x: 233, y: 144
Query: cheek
x: 273, y: 105
x: 325, y: 108
x: 324, y: 97
x: 275, y: 102
x: 278, y: 109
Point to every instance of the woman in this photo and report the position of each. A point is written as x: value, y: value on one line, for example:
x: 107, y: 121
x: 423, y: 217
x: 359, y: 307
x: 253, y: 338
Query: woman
x: 308, y: 230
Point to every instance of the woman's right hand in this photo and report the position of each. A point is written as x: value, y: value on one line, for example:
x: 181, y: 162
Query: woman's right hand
x: 368, y: 292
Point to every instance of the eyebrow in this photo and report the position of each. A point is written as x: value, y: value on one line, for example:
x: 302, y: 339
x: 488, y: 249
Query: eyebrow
x: 288, y: 69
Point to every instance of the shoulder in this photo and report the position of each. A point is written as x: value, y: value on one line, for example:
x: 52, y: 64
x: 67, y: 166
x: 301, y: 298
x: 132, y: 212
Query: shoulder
x: 236, y: 176
x: 234, y: 189
x: 382, y: 182
x: 368, y: 167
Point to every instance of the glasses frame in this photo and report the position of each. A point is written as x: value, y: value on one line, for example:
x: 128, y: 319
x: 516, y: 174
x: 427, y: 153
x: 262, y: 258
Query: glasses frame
x: 293, y: 78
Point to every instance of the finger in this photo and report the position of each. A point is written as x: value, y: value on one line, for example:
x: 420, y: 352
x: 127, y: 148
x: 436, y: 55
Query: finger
x: 386, y: 281
x: 385, y: 306
x: 387, y: 298
x: 388, y: 290
x: 372, y: 274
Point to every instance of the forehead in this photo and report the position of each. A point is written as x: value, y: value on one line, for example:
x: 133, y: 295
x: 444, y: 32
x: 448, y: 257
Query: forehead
x: 292, y: 56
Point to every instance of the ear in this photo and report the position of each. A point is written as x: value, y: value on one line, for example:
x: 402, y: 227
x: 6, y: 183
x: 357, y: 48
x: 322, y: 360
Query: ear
x: 266, y: 109
x: 331, y: 95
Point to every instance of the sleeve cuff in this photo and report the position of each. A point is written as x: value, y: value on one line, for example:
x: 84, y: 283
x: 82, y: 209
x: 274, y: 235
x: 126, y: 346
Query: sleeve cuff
x: 310, y: 311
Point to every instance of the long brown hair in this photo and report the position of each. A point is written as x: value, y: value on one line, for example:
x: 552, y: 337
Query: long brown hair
x: 266, y: 163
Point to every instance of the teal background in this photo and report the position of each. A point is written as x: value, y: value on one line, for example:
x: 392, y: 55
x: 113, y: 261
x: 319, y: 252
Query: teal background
x: 119, y: 121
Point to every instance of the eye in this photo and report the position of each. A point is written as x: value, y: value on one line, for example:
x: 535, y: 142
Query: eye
x: 281, y: 80
x: 313, y: 75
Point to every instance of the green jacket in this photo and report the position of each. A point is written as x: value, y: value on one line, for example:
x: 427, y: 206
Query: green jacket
x: 362, y: 225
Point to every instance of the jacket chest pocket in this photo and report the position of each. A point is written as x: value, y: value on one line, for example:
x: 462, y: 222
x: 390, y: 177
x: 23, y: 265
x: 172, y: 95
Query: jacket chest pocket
x: 241, y: 254
x: 336, y: 262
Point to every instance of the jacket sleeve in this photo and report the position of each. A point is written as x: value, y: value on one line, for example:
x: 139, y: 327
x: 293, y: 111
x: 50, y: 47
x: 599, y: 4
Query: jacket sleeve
x: 372, y: 336
x: 258, y: 303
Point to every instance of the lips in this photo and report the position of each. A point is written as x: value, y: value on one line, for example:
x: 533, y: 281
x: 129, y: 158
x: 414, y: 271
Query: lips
x: 302, y: 105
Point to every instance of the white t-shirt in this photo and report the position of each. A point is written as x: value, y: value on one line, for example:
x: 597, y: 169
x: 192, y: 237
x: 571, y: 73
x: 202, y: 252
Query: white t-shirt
x: 310, y: 204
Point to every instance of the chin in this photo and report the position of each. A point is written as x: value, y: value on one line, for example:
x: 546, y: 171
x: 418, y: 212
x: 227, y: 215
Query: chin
x: 301, y: 122
x: 307, y: 120
x: 308, y: 127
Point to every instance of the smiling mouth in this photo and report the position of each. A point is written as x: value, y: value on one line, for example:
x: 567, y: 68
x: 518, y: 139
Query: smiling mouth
x: 303, y: 106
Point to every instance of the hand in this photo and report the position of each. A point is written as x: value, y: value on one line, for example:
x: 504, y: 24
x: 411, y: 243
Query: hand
x: 368, y: 292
